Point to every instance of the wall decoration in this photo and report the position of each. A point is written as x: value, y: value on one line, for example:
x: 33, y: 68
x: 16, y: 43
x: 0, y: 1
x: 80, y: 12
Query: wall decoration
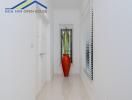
x: 89, y: 48
x: 66, y: 50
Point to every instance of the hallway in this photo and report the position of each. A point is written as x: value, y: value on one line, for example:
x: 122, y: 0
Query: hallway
x: 40, y: 40
x: 61, y: 88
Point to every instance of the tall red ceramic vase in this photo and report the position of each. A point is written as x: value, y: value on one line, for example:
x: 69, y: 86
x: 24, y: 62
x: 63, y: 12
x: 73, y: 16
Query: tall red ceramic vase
x: 66, y: 64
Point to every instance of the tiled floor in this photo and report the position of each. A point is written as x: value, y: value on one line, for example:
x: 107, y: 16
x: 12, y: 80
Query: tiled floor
x: 62, y: 88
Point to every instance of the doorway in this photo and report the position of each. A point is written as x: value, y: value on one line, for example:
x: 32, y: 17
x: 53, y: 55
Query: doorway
x: 42, y: 71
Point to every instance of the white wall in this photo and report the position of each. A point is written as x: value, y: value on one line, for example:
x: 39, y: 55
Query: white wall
x: 18, y: 54
x: 17, y: 60
x: 112, y: 51
x: 66, y: 17
x: 84, y: 33
x: 51, y: 38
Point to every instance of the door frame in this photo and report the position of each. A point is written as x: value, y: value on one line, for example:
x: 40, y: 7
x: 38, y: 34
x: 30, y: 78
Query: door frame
x: 42, y: 18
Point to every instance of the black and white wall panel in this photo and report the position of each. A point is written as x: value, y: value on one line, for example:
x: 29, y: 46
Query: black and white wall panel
x: 89, y: 46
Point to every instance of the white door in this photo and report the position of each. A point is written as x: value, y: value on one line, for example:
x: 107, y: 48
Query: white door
x: 42, y: 57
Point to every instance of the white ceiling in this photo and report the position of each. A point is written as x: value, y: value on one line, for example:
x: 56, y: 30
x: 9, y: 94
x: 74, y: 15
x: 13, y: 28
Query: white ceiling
x: 66, y: 4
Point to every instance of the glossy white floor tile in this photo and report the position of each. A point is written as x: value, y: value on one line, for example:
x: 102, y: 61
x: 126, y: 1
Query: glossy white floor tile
x: 62, y: 88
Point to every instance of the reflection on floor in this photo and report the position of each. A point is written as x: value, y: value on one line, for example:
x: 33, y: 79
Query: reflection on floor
x: 62, y: 88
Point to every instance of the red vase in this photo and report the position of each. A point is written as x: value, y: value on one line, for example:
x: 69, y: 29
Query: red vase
x: 66, y: 63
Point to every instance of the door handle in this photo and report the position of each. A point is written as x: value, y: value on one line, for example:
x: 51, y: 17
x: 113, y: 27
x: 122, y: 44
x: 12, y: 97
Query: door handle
x: 41, y: 54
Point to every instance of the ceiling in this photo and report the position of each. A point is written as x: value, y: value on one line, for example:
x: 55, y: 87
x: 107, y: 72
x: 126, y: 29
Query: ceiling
x: 66, y: 4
